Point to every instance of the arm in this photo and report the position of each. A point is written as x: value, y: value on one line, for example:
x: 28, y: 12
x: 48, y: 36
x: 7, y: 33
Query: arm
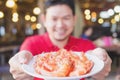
x: 15, y: 65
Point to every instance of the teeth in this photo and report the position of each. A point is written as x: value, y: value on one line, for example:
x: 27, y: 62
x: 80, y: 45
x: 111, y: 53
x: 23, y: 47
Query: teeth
x: 60, y: 31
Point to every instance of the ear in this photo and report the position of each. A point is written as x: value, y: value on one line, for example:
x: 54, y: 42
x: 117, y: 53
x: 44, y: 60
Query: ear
x: 75, y: 19
x: 42, y: 18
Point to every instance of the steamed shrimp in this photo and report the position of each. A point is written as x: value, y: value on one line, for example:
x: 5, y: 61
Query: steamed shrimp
x: 61, y: 71
x: 81, y: 66
x: 53, y: 64
x: 62, y: 63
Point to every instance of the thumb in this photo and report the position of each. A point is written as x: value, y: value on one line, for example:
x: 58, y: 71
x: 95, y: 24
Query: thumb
x: 24, y: 56
x: 100, y: 53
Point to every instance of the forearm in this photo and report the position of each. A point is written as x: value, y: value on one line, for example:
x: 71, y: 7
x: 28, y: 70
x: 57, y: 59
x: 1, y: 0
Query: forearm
x: 97, y: 78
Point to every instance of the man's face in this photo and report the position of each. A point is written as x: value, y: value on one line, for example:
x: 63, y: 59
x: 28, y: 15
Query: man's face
x: 59, y: 22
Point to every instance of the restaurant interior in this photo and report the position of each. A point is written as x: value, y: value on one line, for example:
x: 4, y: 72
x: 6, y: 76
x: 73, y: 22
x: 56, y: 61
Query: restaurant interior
x: 21, y: 18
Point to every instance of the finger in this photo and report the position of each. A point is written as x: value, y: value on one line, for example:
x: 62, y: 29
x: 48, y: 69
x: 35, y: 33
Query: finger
x: 24, y: 57
x: 14, y: 64
x: 107, y: 68
x: 102, y: 74
x: 108, y: 61
x: 100, y: 53
x: 22, y: 76
x: 99, y: 76
x: 105, y: 72
x: 15, y: 68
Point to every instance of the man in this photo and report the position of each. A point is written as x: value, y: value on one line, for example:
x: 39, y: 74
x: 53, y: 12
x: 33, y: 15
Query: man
x: 59, y: 20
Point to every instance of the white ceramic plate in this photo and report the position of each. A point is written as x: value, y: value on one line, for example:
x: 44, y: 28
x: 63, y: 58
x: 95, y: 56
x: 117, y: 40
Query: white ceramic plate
x: 98, y: 66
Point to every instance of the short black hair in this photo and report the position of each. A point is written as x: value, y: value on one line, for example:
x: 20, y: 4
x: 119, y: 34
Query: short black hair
x: 70, y: 3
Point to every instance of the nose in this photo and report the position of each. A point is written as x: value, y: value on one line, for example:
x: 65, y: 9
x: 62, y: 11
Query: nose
x: 60, y: 23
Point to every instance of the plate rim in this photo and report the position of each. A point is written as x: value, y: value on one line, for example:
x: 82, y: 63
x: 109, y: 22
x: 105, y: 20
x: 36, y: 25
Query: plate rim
x: 64, y: 78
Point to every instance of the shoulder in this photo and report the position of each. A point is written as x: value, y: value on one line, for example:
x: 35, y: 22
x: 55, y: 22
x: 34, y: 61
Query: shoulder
x: 83, y: 44
x: 33, y: 43
x: 81, y: 40
x: 36, y: 37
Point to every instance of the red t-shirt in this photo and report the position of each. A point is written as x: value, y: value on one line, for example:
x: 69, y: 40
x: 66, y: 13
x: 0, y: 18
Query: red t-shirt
x: 41, y: 43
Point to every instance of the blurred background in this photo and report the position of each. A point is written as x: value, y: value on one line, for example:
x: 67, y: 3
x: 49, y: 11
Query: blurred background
x: 21, y: 18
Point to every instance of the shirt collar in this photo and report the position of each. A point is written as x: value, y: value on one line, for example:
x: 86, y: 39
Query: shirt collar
x: 50, y: 44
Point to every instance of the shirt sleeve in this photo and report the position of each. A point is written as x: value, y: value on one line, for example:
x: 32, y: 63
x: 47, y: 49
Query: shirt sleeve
x: 90, y: 45
x: 28, y: 44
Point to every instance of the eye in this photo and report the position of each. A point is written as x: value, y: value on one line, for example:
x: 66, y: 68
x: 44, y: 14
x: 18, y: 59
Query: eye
x: 54, y: 19
x: 66, y: 18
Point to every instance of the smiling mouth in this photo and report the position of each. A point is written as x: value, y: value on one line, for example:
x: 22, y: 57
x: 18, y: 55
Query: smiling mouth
x: 60, y: 32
